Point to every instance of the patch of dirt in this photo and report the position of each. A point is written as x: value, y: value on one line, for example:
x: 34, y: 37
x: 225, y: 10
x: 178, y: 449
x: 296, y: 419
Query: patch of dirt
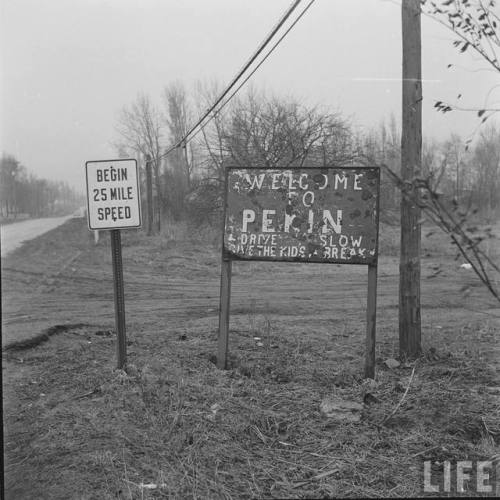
x: 42, y: 337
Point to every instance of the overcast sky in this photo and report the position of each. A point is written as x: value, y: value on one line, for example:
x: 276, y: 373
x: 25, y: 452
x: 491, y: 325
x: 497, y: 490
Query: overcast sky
x: 70, y: 65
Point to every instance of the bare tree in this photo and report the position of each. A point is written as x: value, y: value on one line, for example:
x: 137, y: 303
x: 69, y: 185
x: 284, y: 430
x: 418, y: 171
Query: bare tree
x: 180, y: 162
x: 208, y: 155
x: 24, y: 193
x: 210, y: 145
x: 383, y: 145
x: 178, y: 119
x: 265, y: 132
x: 141, y: 133
x: 453, y: 165
x: 282, y: 133
x: 475, y: 25
x: 10, y: 170
x: 486, y: 159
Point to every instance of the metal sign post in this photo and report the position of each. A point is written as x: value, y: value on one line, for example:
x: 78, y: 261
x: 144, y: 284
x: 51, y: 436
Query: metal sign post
x: 116, y: 255
x: 323, y: 215
x: 113, y: 201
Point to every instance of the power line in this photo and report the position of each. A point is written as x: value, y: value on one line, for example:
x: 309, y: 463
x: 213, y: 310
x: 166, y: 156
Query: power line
x: 271, y: 50
x: 234, y: 81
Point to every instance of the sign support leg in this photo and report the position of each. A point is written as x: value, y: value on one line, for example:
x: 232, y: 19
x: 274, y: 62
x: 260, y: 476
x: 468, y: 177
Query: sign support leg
x: 225, y: 298
x: 121, y: 340
x: 371, y: 321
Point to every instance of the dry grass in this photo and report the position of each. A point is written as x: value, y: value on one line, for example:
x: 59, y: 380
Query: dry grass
x: 174, y: 426
x: 193, y: 431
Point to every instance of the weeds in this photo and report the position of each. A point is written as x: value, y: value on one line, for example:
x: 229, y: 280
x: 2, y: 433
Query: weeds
x: 175, y: 426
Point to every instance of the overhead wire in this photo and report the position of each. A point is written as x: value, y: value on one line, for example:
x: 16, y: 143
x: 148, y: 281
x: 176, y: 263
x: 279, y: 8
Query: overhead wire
x: 271, y: 50
x: 240, y: 74
x: 233, y: 82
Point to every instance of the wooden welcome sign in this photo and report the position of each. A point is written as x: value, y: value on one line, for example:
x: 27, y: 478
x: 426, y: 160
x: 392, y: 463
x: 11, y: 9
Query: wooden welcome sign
x: 322, y: 215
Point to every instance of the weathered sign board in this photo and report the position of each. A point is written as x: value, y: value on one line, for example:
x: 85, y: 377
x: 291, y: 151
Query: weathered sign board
x: 113, y: 194
x: 307, y: 215
x: 323, y: 215
x: 113, y: 201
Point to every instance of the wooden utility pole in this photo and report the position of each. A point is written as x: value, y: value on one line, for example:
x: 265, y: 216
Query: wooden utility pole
x: 411, y: 159
x: 149, y: 195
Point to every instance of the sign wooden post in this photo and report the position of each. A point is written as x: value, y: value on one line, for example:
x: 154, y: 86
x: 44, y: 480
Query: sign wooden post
x: 371, y: 321
x: 323, y: 215
x: 225, y: 300
x: 113, y: 202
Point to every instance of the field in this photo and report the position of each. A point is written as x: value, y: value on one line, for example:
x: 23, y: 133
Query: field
x: 173, y: 425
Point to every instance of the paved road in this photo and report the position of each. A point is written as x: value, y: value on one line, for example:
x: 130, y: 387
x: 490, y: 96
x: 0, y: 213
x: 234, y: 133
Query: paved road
x: 13, y: 235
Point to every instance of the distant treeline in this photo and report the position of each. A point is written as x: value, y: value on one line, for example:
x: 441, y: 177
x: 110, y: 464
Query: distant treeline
x: 24, y: 194
x: 255, y: 130
x: 464, y: 173
x: 258, y: 131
